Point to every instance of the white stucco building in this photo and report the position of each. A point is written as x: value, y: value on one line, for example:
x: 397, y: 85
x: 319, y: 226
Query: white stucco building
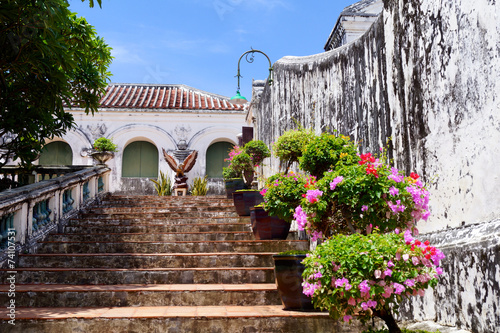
x: 144, y: 119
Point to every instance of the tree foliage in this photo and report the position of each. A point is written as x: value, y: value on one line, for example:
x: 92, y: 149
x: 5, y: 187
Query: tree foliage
x: 49, y: 59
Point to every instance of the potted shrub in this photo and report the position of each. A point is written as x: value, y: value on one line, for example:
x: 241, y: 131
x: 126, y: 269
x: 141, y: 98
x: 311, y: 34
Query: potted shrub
x: 288, y: 270
x: 369, y: 263
x: 104, y: 150
x: 244, y: 160
x: 233, y: 181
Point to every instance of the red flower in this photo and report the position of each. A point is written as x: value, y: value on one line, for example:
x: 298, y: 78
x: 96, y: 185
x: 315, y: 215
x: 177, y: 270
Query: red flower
x: 371, y: 170
x: 427, y: 256
x: 414, y: 175
x: 427, y: 243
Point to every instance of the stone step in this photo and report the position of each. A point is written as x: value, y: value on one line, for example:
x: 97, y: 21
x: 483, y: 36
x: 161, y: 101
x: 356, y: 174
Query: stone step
x: 160, y: 209
x: 173, y: 247
x: 198, y: 275
x: 114, y: 227
x: 139, y: 260
x: 158, y: 215
x: 149, y: 237
x: 32, y: 295
x: 160, y: 221
x: 237, y: 319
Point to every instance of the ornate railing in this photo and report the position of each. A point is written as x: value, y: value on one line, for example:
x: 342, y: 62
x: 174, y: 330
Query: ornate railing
x: 29, y: 213
x: 14, y: 177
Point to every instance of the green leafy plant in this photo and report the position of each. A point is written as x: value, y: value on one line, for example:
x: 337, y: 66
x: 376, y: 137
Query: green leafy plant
x: 290, y: 145
x: 104, y: 145
x: 163, y: 185
x: 230, y: 173
x: 200, y: 186
x: 364, y: 275
x: 282, y: 193
x: 257, y: 150
x: 326, y: 152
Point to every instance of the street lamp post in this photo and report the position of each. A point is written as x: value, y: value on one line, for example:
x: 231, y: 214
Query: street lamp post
x: 238, y: 99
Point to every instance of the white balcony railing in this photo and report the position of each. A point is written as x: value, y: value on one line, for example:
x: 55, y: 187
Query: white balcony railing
x: 29, y: 213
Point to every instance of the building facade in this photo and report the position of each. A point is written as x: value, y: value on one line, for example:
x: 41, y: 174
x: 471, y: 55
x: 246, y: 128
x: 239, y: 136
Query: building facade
x: 142, y: 120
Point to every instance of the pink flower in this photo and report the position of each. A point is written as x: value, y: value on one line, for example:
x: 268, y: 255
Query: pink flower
x: 364, y: 208
x: 388, y: 272
x: 347, y: 318
x: 409, y: 282
x: 377, y: 274
x: 372, y: 304
x: 364, y: 287
x: 439, y: 270
x: 364, y: 306
x: 335, y: 182
x: 390, y: 263
x: 393, y: 191
x: 263, y: 192
x: 301, y: 217
x: 343, y: 283
x: 398, y: 288
x: 312, y: 195
x: 406, y: 256
x: 387, y: 292
x: 316, y: 235
x: 351, y: 301
x: 415, y: 260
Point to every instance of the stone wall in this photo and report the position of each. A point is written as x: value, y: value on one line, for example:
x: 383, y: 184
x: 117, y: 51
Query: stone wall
x: 427, y: 74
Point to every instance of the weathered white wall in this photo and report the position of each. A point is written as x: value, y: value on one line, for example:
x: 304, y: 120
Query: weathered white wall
x: 426, y: 74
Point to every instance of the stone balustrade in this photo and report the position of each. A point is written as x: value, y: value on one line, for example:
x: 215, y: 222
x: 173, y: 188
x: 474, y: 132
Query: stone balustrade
x: 29, y: 213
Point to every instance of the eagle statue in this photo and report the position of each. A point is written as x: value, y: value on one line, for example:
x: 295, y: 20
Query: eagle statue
x: 182, y: 168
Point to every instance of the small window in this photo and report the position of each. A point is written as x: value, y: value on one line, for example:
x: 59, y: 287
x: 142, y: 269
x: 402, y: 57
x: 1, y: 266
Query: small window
x: 140, y: 159
x: 56, y: 153
x: 216, y: 154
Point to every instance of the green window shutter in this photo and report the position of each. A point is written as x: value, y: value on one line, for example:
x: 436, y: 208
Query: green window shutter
x: 56, y: 153
x: 216, y: 154
x: 140, y: 159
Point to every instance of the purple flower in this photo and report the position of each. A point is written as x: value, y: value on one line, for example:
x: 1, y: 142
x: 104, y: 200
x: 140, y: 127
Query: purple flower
x: 301, y: 217
x: 343, y: 283
x: 312, y: 195
x: 439, y: 270
x: 398, y: 288
x: 390, y: 264
x: 335, y: 182
x: 371, y: 304
x: 364, y: 208
x: 364, y: 306
x: 409, y: 282
x: 347, y: 318
x: 364, y: 287
x: 393, y: 191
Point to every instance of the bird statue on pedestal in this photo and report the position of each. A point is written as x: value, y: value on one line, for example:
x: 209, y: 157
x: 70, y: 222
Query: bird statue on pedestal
x: 181, y: 169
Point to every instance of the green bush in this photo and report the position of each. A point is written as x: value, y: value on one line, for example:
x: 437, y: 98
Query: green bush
x: 257, y: 150
x: 104, y: 144
x: 230, y: 173
x: 289, y: 146
x: 326, y: 152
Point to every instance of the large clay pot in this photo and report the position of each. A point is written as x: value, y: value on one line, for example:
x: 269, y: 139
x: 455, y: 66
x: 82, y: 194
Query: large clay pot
x: 265, y: 227
x: 233, y: 185
x: 288, y: 270
x: 246, y: 199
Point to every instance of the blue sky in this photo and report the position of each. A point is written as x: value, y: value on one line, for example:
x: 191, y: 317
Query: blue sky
x: 198, y: 42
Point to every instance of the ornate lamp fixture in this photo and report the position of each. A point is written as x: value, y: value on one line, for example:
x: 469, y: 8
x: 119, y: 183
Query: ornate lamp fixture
x: 249, y: 57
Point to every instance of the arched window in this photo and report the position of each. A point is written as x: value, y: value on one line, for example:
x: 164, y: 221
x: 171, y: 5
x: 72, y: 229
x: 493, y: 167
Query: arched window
x: 140, y: 159
x: 216, y: 154
x: 56, y: 153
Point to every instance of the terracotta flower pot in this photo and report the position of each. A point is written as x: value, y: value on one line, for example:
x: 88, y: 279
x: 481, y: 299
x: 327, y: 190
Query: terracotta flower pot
x: 233, y: 185
x: 265, y: 227
x: 288, y: 270
x: 102, y: 157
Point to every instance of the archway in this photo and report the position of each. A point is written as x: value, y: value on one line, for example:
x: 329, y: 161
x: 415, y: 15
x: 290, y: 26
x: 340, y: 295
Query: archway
x: 56, y: 153
x: 140, y: 160
x: 216, y: 154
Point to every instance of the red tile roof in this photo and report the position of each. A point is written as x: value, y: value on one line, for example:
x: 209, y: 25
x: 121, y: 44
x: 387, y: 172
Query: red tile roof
x: 163, y: 96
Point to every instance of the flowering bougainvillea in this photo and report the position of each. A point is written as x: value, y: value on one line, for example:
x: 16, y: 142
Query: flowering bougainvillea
x: 352, y: 197
x: 369, y: 273
x: 282, y: 193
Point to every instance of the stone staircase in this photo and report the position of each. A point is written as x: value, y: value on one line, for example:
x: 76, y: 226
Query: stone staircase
x: 151, y: 264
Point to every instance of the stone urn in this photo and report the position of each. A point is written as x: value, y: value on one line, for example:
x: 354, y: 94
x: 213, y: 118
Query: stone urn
x: 102, y: 156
